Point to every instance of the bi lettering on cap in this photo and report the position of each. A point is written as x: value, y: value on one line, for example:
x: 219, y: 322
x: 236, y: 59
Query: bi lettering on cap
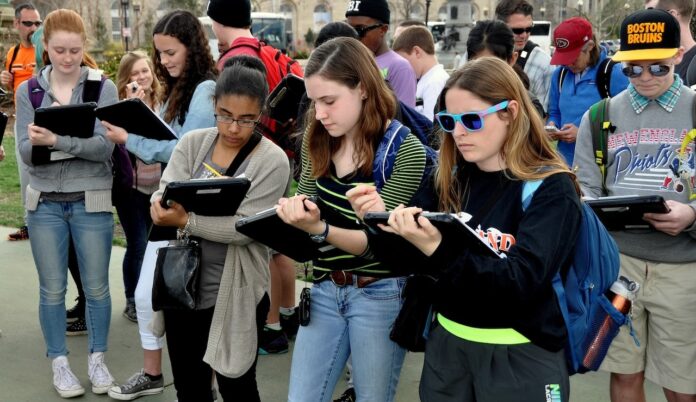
x: 354, y: 5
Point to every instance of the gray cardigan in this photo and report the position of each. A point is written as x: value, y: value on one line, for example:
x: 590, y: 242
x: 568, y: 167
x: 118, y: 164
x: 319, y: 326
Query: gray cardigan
x: 232, y: 342
x: 90, y: 172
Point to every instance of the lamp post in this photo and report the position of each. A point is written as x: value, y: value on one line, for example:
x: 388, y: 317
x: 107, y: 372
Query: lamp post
x: 542, y: 10
x: 136, y: 25
x: 125, y: 31
x: 427, y: 10
x: 579, y: 5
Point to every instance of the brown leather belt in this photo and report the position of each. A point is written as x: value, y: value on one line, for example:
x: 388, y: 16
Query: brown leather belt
x: 343, y: 278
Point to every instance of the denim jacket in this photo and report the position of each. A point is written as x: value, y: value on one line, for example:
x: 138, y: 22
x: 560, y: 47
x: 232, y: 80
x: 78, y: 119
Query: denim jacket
x: 199, y: 115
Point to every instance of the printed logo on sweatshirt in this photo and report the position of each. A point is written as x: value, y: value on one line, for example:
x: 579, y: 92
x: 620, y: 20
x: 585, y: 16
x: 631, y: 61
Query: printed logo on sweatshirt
x: 552, y: 392
x: 498, y: 240
x: 653, y: 159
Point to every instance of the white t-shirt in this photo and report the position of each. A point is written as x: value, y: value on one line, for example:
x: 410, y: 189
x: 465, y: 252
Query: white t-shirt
x: 428, y: 90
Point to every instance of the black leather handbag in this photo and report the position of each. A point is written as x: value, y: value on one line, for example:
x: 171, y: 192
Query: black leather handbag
x: 177, y: 272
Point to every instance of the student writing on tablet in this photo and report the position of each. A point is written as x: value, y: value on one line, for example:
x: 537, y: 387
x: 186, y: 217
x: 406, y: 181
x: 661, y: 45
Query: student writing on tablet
x: 69, y: 199
x: 663, y: 260
x: 498, y: 319
x: 186, y: 70
x: 220, y: 336
x: 351, y: 109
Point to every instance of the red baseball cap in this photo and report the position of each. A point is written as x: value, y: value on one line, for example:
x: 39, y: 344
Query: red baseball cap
x: 569, y: 37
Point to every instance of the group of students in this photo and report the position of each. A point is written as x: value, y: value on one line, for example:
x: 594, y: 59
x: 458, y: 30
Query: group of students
x: 498, y: 334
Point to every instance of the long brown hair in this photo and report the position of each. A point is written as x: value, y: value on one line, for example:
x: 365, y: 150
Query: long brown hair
x: 125, y: 67
x: 200, y: 66
x: 348, y: 62
x: 527, y: 151
x: 68, y: 21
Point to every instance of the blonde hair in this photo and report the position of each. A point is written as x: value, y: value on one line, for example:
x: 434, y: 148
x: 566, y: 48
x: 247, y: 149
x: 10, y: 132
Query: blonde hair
x: 125, y: 67
x: 68, y: 21
x: 526, y: 150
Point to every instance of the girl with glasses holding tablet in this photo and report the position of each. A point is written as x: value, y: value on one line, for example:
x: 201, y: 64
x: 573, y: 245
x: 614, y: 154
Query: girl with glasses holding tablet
x: 498, y: 321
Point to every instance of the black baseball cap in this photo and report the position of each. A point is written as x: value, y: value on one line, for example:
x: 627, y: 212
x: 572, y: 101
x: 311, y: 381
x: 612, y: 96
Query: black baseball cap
x: 650, y: 34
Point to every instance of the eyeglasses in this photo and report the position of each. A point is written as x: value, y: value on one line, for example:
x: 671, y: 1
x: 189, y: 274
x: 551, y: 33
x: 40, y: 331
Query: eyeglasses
x: 520, y: 31
x: 28, y: 24
x: 472, y: 121
x: 362, y: 30
x: 656, y: 70
x: 240, y: 122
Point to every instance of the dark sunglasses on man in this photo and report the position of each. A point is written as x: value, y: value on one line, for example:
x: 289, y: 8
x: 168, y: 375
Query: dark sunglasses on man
x: 656, y: 70
x: 28, y: 24
x: 362, y: 30
x: 520, y: 31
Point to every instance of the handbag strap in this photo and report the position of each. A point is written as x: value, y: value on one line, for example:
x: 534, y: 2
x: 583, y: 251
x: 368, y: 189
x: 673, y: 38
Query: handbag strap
x: 243, y: 153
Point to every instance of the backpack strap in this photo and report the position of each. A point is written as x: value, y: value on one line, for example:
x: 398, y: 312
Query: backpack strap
x: 90, y: 91
x: 600, y: 127
x: 528, y: 189
x: 387, y: 150
x: 36, y: 93
x: 15, y: 50
x: 523, y: 56
x: 603, y: 78
x: 561, y: 76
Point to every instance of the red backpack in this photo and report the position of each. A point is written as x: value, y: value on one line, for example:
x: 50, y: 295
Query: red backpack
x: 278, y: 65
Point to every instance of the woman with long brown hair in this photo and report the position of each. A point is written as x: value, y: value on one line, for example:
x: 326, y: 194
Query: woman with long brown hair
x: 498, y: 321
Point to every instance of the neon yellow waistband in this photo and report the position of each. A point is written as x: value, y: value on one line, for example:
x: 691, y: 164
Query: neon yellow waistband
x: 498, y: 336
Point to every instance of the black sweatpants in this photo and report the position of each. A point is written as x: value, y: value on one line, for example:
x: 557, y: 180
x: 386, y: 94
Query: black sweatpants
x: 187, y: 338
x: 459, y: 370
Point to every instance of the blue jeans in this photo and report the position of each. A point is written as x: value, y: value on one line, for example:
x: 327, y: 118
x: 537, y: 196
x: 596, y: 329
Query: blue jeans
x: 50, y: 226
x: 348, y: 321
x: 133, y: 210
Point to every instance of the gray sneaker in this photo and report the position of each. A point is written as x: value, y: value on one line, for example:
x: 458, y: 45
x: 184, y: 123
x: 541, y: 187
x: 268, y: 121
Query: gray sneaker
x: 138, y: 385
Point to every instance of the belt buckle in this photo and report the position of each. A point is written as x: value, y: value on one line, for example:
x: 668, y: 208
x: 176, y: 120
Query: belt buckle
x: 343, y: 283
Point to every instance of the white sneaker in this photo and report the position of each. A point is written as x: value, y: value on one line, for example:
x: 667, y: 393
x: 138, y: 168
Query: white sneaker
x: 64, y: 381
x: 99, y: 375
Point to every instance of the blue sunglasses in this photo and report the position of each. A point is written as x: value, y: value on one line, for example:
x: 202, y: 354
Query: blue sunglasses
x: 472, y: 121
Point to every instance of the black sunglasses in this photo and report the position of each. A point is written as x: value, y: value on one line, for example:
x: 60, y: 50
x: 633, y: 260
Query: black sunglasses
x: 362, y: 30
x: 656, y: 70
x: 30, y: 23
x: 520, y: 31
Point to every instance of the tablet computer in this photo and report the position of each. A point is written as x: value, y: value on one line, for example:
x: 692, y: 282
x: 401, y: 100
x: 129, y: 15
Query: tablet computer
x: 448, y: 224
x: 626, y: 212
x: 66, y: 120
x: 207, y: 197
x: 267, y: 228
x: 285, y: 98
x: 135, y: 117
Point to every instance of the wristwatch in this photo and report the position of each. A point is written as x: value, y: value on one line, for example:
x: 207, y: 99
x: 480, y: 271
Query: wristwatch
x: 320, y: 238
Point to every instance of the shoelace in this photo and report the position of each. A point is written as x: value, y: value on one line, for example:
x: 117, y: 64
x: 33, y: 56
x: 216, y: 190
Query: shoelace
x: 135, y: 380
x: 98, y: 372
x: 66, y: 378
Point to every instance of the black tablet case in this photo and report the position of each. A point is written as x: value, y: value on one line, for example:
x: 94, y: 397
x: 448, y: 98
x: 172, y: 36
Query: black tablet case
x: 3, y: 125
x: 447, y: 224
x: 284, y: 100
x: 267, y: 228
x: 622, y: 213
x: 67, y: 120
x: 208, y: 197
x: 135, y: 117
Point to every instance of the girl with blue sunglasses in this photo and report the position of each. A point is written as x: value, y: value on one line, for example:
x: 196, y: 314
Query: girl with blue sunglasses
x: 497, y: 319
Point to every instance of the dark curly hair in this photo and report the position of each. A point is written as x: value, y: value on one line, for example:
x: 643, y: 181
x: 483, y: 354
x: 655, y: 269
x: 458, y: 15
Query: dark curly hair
x: 199, y: 67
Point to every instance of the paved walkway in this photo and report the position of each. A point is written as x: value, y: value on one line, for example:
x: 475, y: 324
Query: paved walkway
x: 25, y: 372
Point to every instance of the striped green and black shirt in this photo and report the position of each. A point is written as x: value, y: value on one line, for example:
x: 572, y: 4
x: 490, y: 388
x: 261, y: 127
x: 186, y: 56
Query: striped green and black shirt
x: 399, y: 189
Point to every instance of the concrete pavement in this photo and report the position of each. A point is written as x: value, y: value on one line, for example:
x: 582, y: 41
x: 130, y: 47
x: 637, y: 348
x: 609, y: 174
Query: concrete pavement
x: 25, y: 372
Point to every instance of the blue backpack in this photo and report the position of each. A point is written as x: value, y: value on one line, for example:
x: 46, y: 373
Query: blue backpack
x: 581, y: 296
x: 420, y: 126
x: 388, y: 148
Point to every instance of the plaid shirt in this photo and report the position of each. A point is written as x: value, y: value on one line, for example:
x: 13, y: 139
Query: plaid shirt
x: 667, y: 100
x: 539, y: 70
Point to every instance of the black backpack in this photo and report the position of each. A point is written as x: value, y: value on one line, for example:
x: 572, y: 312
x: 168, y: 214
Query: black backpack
x: 524, y: 54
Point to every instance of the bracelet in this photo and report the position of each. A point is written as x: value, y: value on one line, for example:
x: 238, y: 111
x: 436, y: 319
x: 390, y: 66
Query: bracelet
x: 186, y: 231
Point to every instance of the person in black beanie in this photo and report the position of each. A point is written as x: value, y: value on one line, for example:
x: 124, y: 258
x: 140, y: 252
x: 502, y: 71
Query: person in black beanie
x: 371, y: 19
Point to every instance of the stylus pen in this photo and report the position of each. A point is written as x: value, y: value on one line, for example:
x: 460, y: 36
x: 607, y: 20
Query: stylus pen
x: 211, y: 170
